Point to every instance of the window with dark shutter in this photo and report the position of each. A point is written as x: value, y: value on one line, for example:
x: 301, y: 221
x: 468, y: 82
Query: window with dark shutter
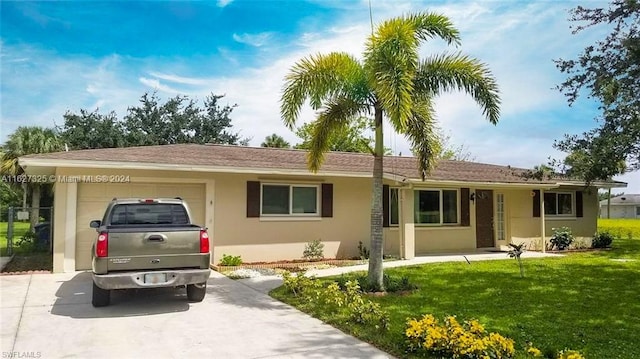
x: 579, y: 205
x: 253, y: 199
x: 465, y: 217
x: 327, y: 200
x: 385, y: 205
x: 536, y: 203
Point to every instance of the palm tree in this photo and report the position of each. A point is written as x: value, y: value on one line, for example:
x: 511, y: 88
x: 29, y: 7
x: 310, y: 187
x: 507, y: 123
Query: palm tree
x: 391, y: 81
x: 275, y: 141
x: 26, y: 141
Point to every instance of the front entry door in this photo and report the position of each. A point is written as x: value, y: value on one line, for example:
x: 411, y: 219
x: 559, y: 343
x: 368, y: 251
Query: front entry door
x: 484, y: 218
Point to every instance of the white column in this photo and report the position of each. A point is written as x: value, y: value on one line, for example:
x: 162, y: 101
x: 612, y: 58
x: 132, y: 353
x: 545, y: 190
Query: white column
x: 70, y: 228
x: 407, y: 227
x: 209, y: 207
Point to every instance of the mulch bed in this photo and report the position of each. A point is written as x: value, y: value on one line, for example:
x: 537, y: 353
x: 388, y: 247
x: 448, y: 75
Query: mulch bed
x: 292, y: 264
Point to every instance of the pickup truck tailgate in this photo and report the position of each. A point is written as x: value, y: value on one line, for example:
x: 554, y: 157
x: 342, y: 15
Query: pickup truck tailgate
x: 136, y: 248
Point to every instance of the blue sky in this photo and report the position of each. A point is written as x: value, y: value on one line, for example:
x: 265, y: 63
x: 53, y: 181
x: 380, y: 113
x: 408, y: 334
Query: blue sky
x: 64, y: 56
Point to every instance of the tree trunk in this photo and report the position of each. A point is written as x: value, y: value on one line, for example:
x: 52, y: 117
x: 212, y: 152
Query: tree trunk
x: 375, y: 255
x: 609, y: 204
x: 35, y: 205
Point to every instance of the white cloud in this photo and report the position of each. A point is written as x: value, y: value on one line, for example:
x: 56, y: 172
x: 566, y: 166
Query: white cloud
x: 223, y: 3
x: 256, y: 40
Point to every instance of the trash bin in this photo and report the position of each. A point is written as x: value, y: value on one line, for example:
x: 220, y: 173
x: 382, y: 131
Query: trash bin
x: 43, y: 235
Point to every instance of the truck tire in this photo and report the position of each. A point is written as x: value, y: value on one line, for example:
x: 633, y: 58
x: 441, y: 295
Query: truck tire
x: 101, y: 297
x: 196, y: 292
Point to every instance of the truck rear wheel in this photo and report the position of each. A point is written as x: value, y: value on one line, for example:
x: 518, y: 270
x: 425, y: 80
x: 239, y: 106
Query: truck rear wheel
x: 101, y: 297
x: 196, y: 292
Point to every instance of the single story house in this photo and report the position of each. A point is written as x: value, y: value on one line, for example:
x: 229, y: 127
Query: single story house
x: 263, y: 204
x: 623, y: 206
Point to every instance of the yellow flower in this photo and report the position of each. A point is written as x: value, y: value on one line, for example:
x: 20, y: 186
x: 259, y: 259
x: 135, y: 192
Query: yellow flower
x: 534, y: 352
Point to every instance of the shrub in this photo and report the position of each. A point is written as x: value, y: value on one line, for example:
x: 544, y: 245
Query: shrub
x: 391, y: 284
x: 363, y: 251
x: 29, y: 243
x: 231, y: 261
x: 562, y: 238
x: 602, y: 240
x: 516, y: 252
x: 313, y: 250
x: 349, y: 300
x: 454, y: 340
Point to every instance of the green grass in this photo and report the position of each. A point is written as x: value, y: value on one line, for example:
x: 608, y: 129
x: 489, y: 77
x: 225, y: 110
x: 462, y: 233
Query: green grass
x: 627, y: 228
x: 585, y: 301
x: 19, y: 229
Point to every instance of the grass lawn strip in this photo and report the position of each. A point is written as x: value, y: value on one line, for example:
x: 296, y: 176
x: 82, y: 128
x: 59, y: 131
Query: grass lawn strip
x: 585, y: 301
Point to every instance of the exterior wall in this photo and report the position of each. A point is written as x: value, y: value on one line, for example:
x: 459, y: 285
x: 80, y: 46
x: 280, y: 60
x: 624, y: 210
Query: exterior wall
x: 526, y: 228
x: 271, y: 239
x: 224, y: 212
x: 618, y: 211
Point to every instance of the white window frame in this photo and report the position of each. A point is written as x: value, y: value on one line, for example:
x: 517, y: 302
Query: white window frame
x: 291, y: 186
x: 573, y: 204
x: 500, y: 217
x: 441, y: 197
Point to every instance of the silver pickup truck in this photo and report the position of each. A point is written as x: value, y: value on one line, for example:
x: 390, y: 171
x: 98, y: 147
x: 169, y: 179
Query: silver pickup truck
x: 149, y: 243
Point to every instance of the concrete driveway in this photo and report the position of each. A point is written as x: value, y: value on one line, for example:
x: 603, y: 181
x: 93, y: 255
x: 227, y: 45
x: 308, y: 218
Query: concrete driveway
x: 50, y: 316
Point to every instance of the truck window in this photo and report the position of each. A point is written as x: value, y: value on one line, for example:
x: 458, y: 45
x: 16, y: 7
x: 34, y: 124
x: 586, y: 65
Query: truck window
x: 157, y: 213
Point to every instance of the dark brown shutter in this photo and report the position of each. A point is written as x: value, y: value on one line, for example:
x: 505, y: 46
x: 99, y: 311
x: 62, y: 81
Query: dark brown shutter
x: 579, y: 206
x: 465, y: 217
x: 253, y: 199
x: 385, y: 205
x: 536, y: 203
x: 327, y: 200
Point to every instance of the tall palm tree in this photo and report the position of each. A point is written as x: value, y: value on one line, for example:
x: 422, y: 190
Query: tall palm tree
x: 275, y: 141
x: 391, y: 81
x: 26, y: 141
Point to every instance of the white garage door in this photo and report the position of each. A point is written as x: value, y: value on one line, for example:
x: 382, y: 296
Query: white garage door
x: 94, y: 197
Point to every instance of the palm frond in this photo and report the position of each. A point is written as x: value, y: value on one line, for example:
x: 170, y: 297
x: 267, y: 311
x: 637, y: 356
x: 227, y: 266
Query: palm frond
x: 421, y: 130
x: 318, y: 78
x: 448, y: 72
x: 335, y: 116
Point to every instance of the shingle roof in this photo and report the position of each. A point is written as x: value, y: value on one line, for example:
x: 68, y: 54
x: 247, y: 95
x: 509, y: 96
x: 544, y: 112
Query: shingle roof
x: 226, y: 156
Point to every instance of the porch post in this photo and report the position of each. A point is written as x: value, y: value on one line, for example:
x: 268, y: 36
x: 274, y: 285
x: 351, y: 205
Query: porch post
x: 542, y: 221
x: 407, y: 227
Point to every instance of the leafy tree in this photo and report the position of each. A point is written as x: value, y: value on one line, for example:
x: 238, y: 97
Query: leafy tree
x: 450, y: 151
x: 275, y: 141
x: 26, y: 141
x: 92, y: 130
x: 349, y: 138
x: 608, y: 71
x: 152, y: 122
x: 390, y: 82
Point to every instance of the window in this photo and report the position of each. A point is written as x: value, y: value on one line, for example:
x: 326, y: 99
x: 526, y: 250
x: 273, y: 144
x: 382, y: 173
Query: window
x: 500, y: 225
x: 558, y: 203
x: 436, y: 206
x: 638, y: 211
x: 289, y: 199
x: 159, y: 213
x: 394, y: 212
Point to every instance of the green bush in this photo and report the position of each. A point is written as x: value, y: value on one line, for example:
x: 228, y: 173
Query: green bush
x: 561, y: 238
x: 602, y: 240
x: 349, y: 299
x: 363, y: 251
x: 231, y: 261
x: 28, y: 243
x: 313, y: 250
x: 391, y: 284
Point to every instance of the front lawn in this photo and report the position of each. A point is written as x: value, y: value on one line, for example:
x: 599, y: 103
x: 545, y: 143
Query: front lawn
x: 588, y: 301
x: 19, y: 229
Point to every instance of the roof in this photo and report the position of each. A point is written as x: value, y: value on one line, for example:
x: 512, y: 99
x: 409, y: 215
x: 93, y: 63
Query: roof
x: 625, y: 199
x: 221, y: 158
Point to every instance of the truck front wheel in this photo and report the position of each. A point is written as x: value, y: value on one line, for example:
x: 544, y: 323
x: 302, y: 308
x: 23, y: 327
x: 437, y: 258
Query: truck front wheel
x: 196, y: 292
x: 101, y: 297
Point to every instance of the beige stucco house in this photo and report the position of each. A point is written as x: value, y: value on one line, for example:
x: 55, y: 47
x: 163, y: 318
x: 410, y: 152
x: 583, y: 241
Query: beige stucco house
x: 264, y: 205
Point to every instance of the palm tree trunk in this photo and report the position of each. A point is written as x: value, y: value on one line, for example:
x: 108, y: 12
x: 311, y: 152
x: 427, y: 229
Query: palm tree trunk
x: 375, y: 257
x: 35, y: 205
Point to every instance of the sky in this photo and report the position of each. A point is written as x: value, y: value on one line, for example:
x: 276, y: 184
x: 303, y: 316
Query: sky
x: 66, y: 56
